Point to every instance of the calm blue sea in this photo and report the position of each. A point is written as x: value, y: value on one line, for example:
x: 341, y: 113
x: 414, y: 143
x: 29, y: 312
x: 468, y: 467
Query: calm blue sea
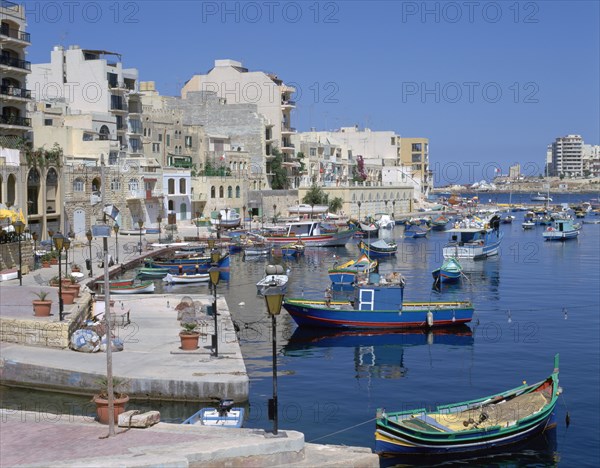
x: 533, y: 300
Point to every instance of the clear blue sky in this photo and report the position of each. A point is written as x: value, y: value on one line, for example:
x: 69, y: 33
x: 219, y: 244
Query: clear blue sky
x: 486, y: 82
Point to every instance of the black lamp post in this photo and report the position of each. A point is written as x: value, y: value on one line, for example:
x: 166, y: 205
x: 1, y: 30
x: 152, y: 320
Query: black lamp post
x: 386, y: 203
x: 244, y: 217
x: 197, y: 226
x: 214, y: 274
x: 58, y: 239
x: 274, y: 300
x: 66, y: 245
x: 140, y: 224
x: 89, y: 236
x: 393, y: 208
x: 274, y: 213
x: 116, y: 229
x: 219, y: 226
x: 359, y: 203
x: 34, y: 236
x: 19, y: 228
x: 159, y: 220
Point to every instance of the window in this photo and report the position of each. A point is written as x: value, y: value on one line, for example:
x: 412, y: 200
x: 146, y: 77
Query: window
x: 212, y: 192
x: 182, y: 186
x: 133, y: 185
x: 229, y: 192
x: 416, y: 157
x: 168, y: 140
x: 160, y: 137
x: 88, y: 136
x: 48, y: 122
x: 416, y: 146
x: 221, y: 191
x: 115, y: 184
x: 393, y: 141
x: 237, y: 191
x: 171, y: 186
x: 188, y: 141
x: 78, y: 185
x: 156, y: 147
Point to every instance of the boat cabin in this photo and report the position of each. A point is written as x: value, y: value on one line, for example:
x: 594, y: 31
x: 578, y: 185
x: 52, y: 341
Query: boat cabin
x: 304, y: 229
x: 379, y: 292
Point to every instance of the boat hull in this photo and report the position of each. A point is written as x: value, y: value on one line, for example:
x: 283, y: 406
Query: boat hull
x: 308, y: 313
x: 338, y: 239
x: 473, y: 251
x: 560, y: 236
x: 143, y: 288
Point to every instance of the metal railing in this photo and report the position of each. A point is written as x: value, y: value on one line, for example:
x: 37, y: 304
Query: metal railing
x: 15, y: 92
x: 15, y: 120
x: 15, y: 62
x: 5, y: 30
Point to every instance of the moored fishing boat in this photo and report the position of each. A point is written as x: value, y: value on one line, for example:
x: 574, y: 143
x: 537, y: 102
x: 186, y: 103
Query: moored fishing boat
x: 152, y: 273
x: 379, y: 248
x: 228, y: 219
x: 377, y: 303
x: 346, y: 273
x: 439, y: 223
x: 226, y: 415
x: 369, y: 228
x: 140, y: 288
x: 310, y: 233
x: 275, y: 276
x: 416, y: 230
x: 561, y: 230
x: 294, y: 249
x: 384, y: 221
x: 473, y: 426
x: 449, y: 272
x: 120, y: 282
x: 192, y: 278
x: 474, y: 238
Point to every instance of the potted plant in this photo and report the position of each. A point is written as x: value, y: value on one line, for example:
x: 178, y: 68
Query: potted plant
x: 45, y: 261
x: 68, y: 295
x: 42, y: 306
x: 120, y: 398
x: 53, y: 281
x: 189, y: 336
x: 75, y: 268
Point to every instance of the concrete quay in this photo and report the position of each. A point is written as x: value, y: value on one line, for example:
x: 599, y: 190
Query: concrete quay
x: 35, y: 440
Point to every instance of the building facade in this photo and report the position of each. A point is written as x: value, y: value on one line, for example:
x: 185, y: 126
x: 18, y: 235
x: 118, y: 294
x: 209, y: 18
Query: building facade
x: 567, y: 156
x: 415, y: 153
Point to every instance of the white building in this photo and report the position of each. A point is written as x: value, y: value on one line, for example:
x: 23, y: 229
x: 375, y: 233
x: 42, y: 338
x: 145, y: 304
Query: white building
x: 567, y: 156
x: 591, y: 160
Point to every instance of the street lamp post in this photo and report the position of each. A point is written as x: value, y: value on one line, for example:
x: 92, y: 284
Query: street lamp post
x: 116, y: 229
x: 34, y: 236
x: 274, y: 213
x: 140, y: 224
x: 159, y: 220
x: 214, y: 274
x: 219, y: 226
x: 66, y: 245
x: 197, y: 226
x: 386, y: 203
x: 51, y: 236
x: 89, y: 236
x: 274, y: 300
x: 359, y: 203
x: 19, y: 228
x: 58, y: 239
x: 393, y: 208
x: 244, y: 218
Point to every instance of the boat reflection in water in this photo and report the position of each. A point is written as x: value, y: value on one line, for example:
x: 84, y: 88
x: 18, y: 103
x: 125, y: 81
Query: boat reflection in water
x: 377, y: 353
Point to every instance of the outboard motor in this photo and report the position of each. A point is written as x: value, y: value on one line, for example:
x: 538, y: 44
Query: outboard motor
x: 225, y: 406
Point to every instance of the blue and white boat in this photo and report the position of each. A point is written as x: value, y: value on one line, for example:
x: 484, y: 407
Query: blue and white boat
x: 226, y: 415
x: 561, y: 230
x: 474, y: 238
x: 379, y: 248
x: 377, y: 303
x: 344, y: 275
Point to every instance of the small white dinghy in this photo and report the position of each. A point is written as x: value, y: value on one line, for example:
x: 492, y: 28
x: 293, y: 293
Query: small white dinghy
x: 226, y: 415
x: 274, y: 277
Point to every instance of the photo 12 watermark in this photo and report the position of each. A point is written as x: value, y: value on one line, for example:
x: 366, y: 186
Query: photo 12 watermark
x: 453, y: 92
x: 83, y: 12
x: 470, y: 12
x: 270, y: 12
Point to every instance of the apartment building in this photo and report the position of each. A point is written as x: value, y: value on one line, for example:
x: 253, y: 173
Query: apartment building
x: 414, y: 152
x: 567, y: 156
x: 230, y: 81
x: 591, y: 160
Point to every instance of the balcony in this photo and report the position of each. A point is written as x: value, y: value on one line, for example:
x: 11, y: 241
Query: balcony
x: 118, y: 107
x: 288, y: 130
x: 15, y: 121
x: 8, y: 32
x: 15, y: 62
x: 13, y: 92
x: 143, y: 194
x: 285, y: 104
x: 135, y: 108
x: 287, y: 147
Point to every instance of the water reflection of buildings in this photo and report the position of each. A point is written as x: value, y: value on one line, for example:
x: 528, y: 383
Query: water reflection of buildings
x: 377, y: 354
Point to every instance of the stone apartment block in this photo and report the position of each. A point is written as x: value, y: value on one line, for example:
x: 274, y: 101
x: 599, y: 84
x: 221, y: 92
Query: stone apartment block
x: 567, y: 156
x: 234, y: 84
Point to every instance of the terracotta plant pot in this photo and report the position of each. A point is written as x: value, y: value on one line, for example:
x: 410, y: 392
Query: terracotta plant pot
x: 68, y: 296
x: 42, y: 308
x: 189, y: 341
x: 76, y: 287
x: 66, y: 282
x: 102, y: 408
x: 45, y: 264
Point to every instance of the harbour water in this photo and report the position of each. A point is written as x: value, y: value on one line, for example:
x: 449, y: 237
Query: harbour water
x: 533, y: 300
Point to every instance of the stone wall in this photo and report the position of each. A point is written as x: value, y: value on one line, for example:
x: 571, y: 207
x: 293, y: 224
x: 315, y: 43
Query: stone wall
x: 41, y: 331
x: 9, y: 256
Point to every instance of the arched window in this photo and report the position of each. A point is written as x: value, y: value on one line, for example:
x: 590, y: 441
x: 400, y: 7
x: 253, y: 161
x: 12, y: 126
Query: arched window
x: 237, y: 191
x: 212, y: 192
x: 78, y: 185
x: 104, y: 133
x: 33, y: 191
x: 229, y: 192
x: 96, y: 185
x: 221, y: 191
x: 182, y: 189
x: 171, y: 186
